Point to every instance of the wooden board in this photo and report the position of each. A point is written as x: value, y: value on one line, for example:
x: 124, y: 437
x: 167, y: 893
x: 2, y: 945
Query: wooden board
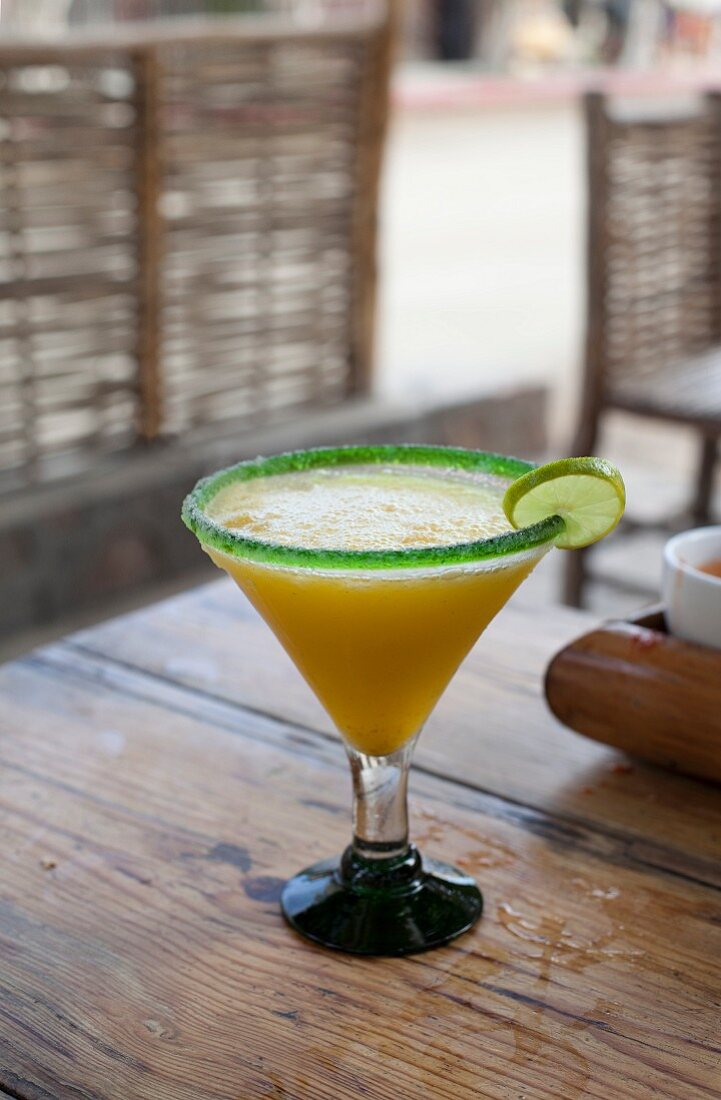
x: 146, y: 829
x: 492, y: 729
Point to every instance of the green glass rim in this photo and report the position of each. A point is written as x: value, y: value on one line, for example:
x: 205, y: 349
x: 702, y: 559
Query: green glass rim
x: 217, y: 537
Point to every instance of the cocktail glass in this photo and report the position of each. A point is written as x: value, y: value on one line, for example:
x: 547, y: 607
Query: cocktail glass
x: 378, y: 634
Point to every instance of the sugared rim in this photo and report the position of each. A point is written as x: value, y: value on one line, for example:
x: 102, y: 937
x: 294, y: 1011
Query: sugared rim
x: 216, y: 536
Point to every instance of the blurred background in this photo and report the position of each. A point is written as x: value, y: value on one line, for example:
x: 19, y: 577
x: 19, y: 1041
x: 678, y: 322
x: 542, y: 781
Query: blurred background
x: 231, y: 227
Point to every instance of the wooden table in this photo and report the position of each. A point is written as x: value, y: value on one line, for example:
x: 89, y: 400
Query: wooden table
x: 161, y: 776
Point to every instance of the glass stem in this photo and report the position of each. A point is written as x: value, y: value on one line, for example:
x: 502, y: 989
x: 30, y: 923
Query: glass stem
x: 380, y: 808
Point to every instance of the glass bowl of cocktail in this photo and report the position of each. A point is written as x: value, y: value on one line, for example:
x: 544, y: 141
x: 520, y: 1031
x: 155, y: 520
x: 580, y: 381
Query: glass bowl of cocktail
x: 377, y: 568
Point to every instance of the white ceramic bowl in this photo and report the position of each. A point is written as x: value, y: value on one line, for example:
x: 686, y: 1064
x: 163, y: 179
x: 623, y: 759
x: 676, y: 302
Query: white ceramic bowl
x: 692, y: 598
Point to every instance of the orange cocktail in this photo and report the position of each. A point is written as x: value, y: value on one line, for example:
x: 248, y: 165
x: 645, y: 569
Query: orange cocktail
x: 377, y: 568
x: 378, y: 647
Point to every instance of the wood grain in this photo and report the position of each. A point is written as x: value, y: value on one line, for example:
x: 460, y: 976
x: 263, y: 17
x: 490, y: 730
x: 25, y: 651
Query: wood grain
x: 491, y: 730
x: 149, y: 172
x: 145, y: 841
x: 665, y: 705
x: 373, y: 124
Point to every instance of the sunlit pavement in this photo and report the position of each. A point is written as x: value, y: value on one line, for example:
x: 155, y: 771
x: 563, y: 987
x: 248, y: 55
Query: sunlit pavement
x: 481, y: 258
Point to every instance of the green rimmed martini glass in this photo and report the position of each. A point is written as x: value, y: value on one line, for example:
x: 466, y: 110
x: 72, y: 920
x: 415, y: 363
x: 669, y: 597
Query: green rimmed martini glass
x: 377, y: 568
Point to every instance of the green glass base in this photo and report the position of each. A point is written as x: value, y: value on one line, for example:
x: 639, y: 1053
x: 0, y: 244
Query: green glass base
x: 382, y: 906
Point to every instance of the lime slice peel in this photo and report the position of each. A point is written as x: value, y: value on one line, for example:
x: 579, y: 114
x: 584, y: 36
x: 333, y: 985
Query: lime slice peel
x: 587, y: 493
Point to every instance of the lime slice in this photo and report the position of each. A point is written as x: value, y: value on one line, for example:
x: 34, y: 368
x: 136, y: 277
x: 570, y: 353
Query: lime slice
x: 588, y: 494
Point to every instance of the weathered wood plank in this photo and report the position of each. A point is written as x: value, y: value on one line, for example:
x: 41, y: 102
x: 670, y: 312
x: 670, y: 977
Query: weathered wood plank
x: 144, y: 955
x: 611, y: 846
x: 372, y: 126
x: 148, y: 171
x: 491, y: 730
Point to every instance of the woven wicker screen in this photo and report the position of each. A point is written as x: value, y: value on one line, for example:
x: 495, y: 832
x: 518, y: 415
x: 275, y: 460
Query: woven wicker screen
x: 658, y: 221
x: 260, y: 154
x: 68, y: 258
x: 188, y: 234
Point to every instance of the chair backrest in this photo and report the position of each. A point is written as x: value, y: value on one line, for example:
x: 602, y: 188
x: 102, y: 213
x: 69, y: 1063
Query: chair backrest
x: 69, y: 130
x: 654, y: 239
x: 188, y: 231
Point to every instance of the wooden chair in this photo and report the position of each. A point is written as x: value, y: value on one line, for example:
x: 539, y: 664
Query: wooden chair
x: 188, y: 216
x: 653, y: 336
